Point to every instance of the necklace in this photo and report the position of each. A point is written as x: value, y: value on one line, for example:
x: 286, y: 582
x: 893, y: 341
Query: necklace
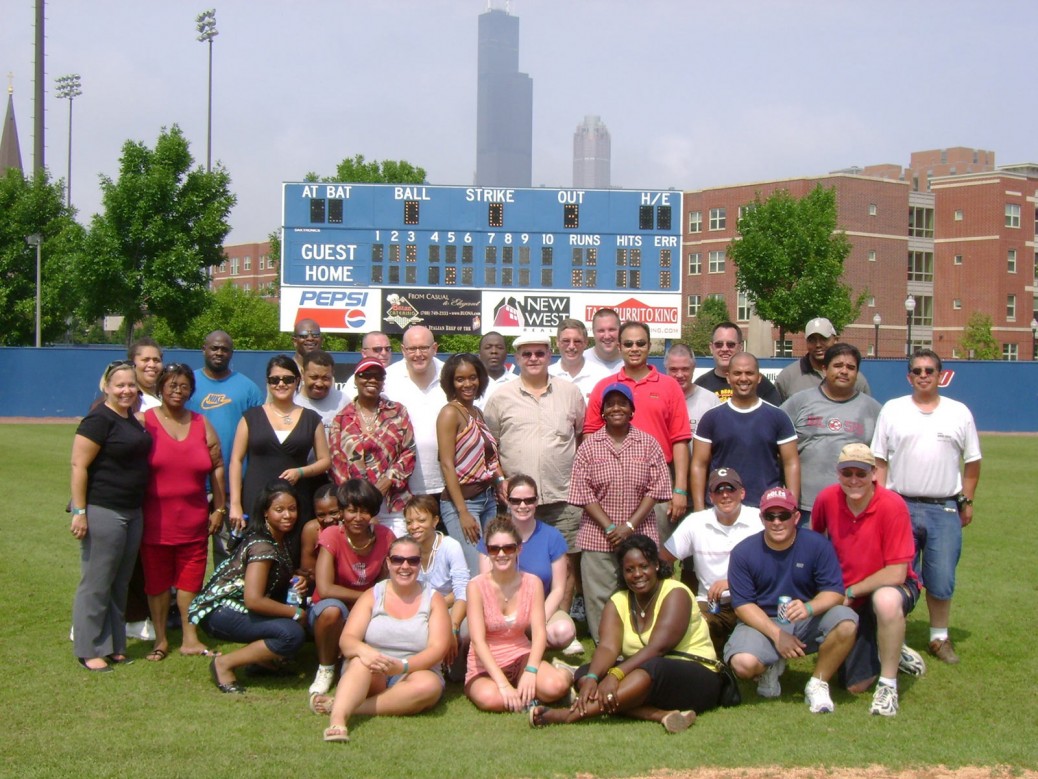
x: 645, y: 608
x: 354, y: 546
x: 166, y: 414
x: 367, y: 419
x: 286, y: 418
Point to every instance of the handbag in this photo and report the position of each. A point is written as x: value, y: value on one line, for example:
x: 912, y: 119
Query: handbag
x: 730, y: 695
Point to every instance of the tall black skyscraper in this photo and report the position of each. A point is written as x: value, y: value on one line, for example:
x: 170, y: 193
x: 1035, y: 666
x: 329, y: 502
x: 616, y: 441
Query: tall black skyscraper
x: 504, y: 105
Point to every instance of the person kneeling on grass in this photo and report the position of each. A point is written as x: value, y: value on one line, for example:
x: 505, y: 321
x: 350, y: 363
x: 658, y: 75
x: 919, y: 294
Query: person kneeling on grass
x: 654, y: 623
x: 506, y: 671
x: 801, y: 565
x: 395, y: 639
x: 244, y: 599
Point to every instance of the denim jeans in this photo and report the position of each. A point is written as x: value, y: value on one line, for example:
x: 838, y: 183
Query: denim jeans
x: 283, y: 636
x: 483, y: 507
x: 938, y: 544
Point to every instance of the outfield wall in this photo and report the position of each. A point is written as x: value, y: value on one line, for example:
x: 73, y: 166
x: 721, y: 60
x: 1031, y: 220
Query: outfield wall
x: 62, y: 381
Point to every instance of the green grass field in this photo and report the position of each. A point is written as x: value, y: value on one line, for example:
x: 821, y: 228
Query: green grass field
x: 166, y: 719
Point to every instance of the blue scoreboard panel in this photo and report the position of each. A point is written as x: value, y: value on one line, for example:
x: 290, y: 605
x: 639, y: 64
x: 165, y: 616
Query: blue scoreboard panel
x: 379, y: 236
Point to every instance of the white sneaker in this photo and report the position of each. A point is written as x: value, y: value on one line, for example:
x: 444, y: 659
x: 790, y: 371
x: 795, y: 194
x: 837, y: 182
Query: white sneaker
x: 323, y: 680
x: 884, y: 701
x: 768, y: 682
x: 817, y: 694
x: 574, y: 648
x: 911, y: 662
x: 143, y: 630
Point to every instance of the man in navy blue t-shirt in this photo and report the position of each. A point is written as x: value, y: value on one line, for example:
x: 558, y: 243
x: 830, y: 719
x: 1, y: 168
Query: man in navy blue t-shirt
x: 801, y: 565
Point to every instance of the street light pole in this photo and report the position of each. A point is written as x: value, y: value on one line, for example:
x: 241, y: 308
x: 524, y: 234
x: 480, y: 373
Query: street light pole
x: 877, y: 320
x: 205, y: 23
x: 37, y: 240
x: 909, y: 310
x: 69, y: 87
x: 1034, y: 338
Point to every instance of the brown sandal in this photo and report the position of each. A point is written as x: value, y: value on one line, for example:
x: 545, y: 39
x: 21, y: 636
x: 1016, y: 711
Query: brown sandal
x: 157, y: 655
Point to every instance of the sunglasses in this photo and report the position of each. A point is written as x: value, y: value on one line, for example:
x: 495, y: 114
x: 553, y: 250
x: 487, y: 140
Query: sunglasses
x: 725, y: 344
x: 380, y: 349
x: 494, y: 549
x: 853, y: 473
x: 540, y: 354
x: 920, y: 371
x: 412, y: 560
x: 274, y: 381
x: 639, y: 344
x: 522, y: 501
x: 780, y: 517
x: 115, y: 365
x: 307, y: 334
x: 720, y: 489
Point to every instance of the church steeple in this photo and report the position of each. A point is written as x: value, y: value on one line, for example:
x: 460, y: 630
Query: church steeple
x: 10, y: 152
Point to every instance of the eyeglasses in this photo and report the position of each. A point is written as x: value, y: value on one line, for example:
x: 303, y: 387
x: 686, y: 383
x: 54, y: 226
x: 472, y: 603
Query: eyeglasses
x: 920, y: 371
x: 411, y: 560
x: 722, y: 488
x: 494, y: 549
x: 179, y: 389
x: 274, y: 381
x: 307, y: 334
x: 115, y: 365
x: 725, y: 344
x: 639, y: 344
x: 523, y: 501
x: 853, y: 473
x: 418, y: 349
x: 540, y: 354
x: 780, y: 517
x: 380, y: 349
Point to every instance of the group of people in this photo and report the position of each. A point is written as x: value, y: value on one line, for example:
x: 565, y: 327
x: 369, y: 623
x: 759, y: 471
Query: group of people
x: 439, y: 524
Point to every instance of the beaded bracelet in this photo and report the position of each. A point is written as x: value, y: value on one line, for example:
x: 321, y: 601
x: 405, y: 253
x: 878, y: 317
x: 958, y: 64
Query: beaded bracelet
x: 679, y: 491
x: 590, y: 675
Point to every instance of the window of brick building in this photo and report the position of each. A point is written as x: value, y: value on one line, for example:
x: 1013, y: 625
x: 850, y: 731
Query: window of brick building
x: 920, y: 222
x: 923, y: 314
x: 1010, y: 308
x: 744, y: 308
x: 718, y: 218
x: 695, y: 264
x: 1010, y: 352
x: 1011, y: 261
x: 958, y: 215
x: 872, y: 209
x: 692, y: 308
x: 695, y: 221
x: 715, y: 262
x: 920, y: 266
x: 1012, y: 215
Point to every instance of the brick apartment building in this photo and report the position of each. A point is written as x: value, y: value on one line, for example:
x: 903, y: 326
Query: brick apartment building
x: 248, y: 266
x: 951, y: 230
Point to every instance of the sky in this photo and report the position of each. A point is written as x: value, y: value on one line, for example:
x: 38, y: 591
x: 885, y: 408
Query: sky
x: 695, y: 94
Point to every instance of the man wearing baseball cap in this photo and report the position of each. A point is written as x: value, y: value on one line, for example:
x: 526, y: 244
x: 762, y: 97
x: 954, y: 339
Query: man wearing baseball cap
x: 809, y: 370
x: 871, y: 531
x: 704, y: 541
x: 798, y: 564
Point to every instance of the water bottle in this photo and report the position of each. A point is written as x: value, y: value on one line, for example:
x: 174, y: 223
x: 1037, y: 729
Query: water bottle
x: 293, y: 598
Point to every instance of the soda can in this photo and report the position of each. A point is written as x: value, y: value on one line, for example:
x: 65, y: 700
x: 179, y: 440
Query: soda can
x: 714, y: 606
x: 783, y: 603
x: 293, y: 598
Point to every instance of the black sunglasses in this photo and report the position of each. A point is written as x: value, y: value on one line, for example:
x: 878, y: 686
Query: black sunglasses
x: 927, y: 370
x: 411, y: 560
x: 495, y: 549
x: 780, y: 517
x: 274, y: 381
x: 522, y: 501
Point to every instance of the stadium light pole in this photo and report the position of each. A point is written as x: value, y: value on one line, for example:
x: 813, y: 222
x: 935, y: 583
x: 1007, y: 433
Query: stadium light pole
x: 877, y: 320
x: 69, y: 87
x: 37, y: 240
x: 909, y: 310
x: 205, y: 23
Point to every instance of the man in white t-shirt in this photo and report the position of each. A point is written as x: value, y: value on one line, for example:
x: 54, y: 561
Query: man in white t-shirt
x: 571, y: 342
x: 415, y: 382
x: 921, y: 442
x: 605, y: 327
x: 704, y: 540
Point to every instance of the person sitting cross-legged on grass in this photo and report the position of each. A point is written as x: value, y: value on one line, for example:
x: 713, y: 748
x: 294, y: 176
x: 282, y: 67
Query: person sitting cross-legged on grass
x: 505, y: 669
x: 395, y: 639
x: 654, y: 623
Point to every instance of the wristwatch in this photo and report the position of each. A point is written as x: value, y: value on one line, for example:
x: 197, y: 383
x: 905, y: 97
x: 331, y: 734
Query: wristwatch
x: 961, y: 500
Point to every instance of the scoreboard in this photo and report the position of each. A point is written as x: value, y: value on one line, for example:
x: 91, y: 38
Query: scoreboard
x: 352, y: 252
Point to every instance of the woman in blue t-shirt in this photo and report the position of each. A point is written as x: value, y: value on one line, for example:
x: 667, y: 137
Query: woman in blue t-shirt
x: 543, y: 554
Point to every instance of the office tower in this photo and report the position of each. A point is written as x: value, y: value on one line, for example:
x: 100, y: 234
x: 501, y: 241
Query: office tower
x: 591, y: 154
x: 504, y: 105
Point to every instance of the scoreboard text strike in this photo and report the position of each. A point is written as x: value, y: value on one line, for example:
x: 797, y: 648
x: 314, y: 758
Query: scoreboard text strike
x: 598, y: 247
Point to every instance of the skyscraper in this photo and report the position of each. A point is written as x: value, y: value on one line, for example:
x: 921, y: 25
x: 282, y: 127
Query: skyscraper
x: 591, y: 154
x: 504, y: 105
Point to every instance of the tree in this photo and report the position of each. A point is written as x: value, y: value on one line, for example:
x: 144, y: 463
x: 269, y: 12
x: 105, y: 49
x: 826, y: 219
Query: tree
x: 977, y: 341
x: 789, y: 259
x: 697, y: 333
x: 163, y: 225
x: 35, y: 206
x: 251, y: 319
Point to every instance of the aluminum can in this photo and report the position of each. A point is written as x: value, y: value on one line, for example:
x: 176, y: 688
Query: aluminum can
x: 714, y: 606
x: 783, y: 603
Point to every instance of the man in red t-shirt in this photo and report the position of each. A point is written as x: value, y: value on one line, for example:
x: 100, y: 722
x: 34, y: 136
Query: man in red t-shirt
x: 870, y: 529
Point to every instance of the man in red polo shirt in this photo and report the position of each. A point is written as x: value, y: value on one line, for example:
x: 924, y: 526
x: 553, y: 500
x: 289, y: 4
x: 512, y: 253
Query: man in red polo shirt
x: 870, y: 529
x: 659, y: 410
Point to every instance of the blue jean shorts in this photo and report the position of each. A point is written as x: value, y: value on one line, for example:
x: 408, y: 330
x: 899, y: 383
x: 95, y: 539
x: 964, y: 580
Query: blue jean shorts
x: 938, y: 545
x: 322, y: 605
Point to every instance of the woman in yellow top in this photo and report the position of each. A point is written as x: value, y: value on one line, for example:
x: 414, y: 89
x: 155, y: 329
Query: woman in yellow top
x: 654, y: 623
